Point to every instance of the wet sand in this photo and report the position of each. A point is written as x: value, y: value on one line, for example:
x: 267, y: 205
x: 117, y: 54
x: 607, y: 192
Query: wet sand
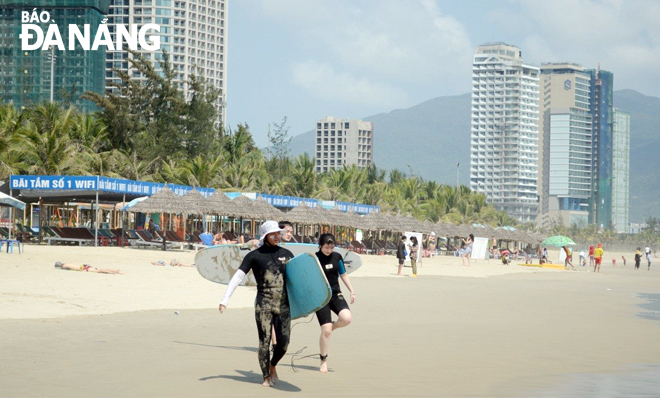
x: 487, y: 330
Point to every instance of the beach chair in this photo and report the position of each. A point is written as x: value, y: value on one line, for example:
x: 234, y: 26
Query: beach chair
x: 148, y: 240
x: 67, y: 235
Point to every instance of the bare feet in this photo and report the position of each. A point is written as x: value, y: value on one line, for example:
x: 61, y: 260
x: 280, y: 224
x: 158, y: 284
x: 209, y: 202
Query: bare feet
x: 267, y: 382
x: 324, y: 366
x: 273, y: 375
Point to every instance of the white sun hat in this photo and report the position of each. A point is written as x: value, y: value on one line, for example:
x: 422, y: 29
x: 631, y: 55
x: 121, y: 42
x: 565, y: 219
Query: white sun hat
x: 268, y: 227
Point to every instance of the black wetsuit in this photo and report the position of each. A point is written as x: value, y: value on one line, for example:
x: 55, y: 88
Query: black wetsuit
x: 333, y: 266
x: 271, y: 307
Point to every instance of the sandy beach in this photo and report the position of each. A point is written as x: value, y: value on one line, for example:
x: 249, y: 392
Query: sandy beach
x: 488, y: 330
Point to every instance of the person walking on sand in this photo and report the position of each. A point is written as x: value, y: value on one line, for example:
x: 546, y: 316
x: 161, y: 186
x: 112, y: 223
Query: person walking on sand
x: 271, y: 307
x: 624, y: 260
x: 401, y: 253
x: 413, y: 254
x: 467, y: 253
x: 567, y: 260
x: 591, y: 256
x: 598, y: 257
x: 649, y: 256
x: 638, y: 258
x: 333, y: 266
x: 583, y: 258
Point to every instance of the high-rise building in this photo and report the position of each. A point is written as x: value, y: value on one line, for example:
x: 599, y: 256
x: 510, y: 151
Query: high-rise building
x: 620, y: 170
x: 602, y: 104
x: 576, y: 175
x: 343, y: 142
x: 565, y: 150
x: 504, y: 130
x: 29, y: 77
x: 192, y: 32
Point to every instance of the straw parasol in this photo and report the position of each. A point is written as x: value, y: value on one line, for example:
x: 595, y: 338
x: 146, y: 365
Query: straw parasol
x: 197, y: 203
x: 241, y: 207
x: 165, y: 201
x: 266, y: 211
x: 219, y: 202
x: 301, y: 214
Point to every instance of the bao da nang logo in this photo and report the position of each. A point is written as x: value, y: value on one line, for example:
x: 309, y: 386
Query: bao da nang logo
x: 33, y: 38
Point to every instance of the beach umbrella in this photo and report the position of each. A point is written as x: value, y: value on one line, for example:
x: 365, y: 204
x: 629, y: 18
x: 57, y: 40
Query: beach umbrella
x: 266, y: 211
x: 558, y: 241
x: 220, y: 203
x: 7, y: 200
x: 165, y: 201
x: 197, y: 203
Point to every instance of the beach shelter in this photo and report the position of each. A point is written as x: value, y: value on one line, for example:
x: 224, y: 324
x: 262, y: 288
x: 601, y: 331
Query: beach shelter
x: 6, y: 200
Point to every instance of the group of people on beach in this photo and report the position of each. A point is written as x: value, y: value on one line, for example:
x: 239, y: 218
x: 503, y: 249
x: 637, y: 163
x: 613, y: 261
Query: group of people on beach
x: 272, y: 313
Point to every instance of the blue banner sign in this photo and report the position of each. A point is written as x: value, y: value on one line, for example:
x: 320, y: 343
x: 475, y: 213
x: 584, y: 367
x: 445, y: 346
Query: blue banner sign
x: 102, y: 184
x: 143, y: 188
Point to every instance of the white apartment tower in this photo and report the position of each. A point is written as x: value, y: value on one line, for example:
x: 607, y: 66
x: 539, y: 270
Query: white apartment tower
x: 193, y: 32
x: 505, y: 130
x: 343, y: 142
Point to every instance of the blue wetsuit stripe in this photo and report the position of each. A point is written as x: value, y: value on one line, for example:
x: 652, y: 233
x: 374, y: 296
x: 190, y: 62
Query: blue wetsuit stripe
x: 342, y: 270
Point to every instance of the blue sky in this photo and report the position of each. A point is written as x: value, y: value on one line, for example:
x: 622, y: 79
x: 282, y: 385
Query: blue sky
x: 307, y: 59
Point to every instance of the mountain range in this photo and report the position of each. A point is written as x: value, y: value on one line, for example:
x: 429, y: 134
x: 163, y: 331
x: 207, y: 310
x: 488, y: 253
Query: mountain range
x: 430, y: 139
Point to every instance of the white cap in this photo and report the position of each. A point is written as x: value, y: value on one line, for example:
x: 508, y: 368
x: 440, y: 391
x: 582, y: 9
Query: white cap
x: 268, y: 227
x: 432, y: 233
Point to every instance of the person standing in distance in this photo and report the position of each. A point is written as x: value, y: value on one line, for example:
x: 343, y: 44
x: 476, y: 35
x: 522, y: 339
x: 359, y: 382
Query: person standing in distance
x: 333, y: 266
x: 271, y: 308
x: 401, y: 253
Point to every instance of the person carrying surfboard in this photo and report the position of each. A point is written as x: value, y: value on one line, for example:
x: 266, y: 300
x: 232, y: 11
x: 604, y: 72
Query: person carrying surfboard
x: 268, y: 264
x: 333, y: 266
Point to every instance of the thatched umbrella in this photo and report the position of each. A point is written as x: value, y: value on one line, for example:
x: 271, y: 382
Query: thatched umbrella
x: 197, y: 203
x: 219, y: 202
x: 371, y: 221
x: 165, y: 201
x: 266, y: 211
x: 242, y: 207
x: 301, y: 214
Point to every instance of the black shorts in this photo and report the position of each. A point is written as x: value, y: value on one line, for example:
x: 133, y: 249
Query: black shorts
x: 336, y: 304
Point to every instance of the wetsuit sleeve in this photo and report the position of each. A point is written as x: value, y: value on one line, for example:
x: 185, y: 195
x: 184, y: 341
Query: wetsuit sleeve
x: 342, y: 269
x: 233, y: 284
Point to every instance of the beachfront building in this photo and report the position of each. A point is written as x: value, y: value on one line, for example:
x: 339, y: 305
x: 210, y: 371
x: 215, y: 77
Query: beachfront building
x: 602, y: 108
x: 620, y: 170
x: 192, y: 32
x: 33, y: 76
x: 343, y: 142
x: 504, y: 130
x: 565, y: 146
x: 577, y: 169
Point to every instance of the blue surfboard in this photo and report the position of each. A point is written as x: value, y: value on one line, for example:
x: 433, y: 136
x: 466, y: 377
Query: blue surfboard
x: 306, y: 284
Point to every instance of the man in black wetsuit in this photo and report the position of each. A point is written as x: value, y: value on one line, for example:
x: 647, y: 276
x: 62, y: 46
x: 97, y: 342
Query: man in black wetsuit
x: 271, y: 307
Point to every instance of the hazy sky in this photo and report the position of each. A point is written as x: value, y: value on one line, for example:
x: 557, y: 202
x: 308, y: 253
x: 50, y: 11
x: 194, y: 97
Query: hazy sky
x: 307, y: 59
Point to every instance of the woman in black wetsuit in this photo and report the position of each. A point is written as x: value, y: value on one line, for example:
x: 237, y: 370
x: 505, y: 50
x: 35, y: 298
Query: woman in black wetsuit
x: 333, y: 266
x: 271, y: 308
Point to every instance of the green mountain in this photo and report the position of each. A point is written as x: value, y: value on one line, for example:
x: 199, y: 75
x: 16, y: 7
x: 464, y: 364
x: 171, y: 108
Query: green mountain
x: 430, y: 138
x: 427, y: 139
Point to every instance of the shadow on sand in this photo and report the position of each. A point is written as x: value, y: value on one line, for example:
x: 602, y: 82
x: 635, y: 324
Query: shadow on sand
x: 251, y: 349
x: 254, y: 378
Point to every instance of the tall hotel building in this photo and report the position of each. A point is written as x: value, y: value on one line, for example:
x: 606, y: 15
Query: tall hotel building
x: 566, y: 125
x: 29, y: 77
x: 584, y: 150
x: 504, y: 130
x: 193, y: 32
x: 343, y: 142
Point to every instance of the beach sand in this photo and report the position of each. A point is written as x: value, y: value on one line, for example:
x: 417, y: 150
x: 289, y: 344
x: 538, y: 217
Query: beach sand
x: 488, y: 330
